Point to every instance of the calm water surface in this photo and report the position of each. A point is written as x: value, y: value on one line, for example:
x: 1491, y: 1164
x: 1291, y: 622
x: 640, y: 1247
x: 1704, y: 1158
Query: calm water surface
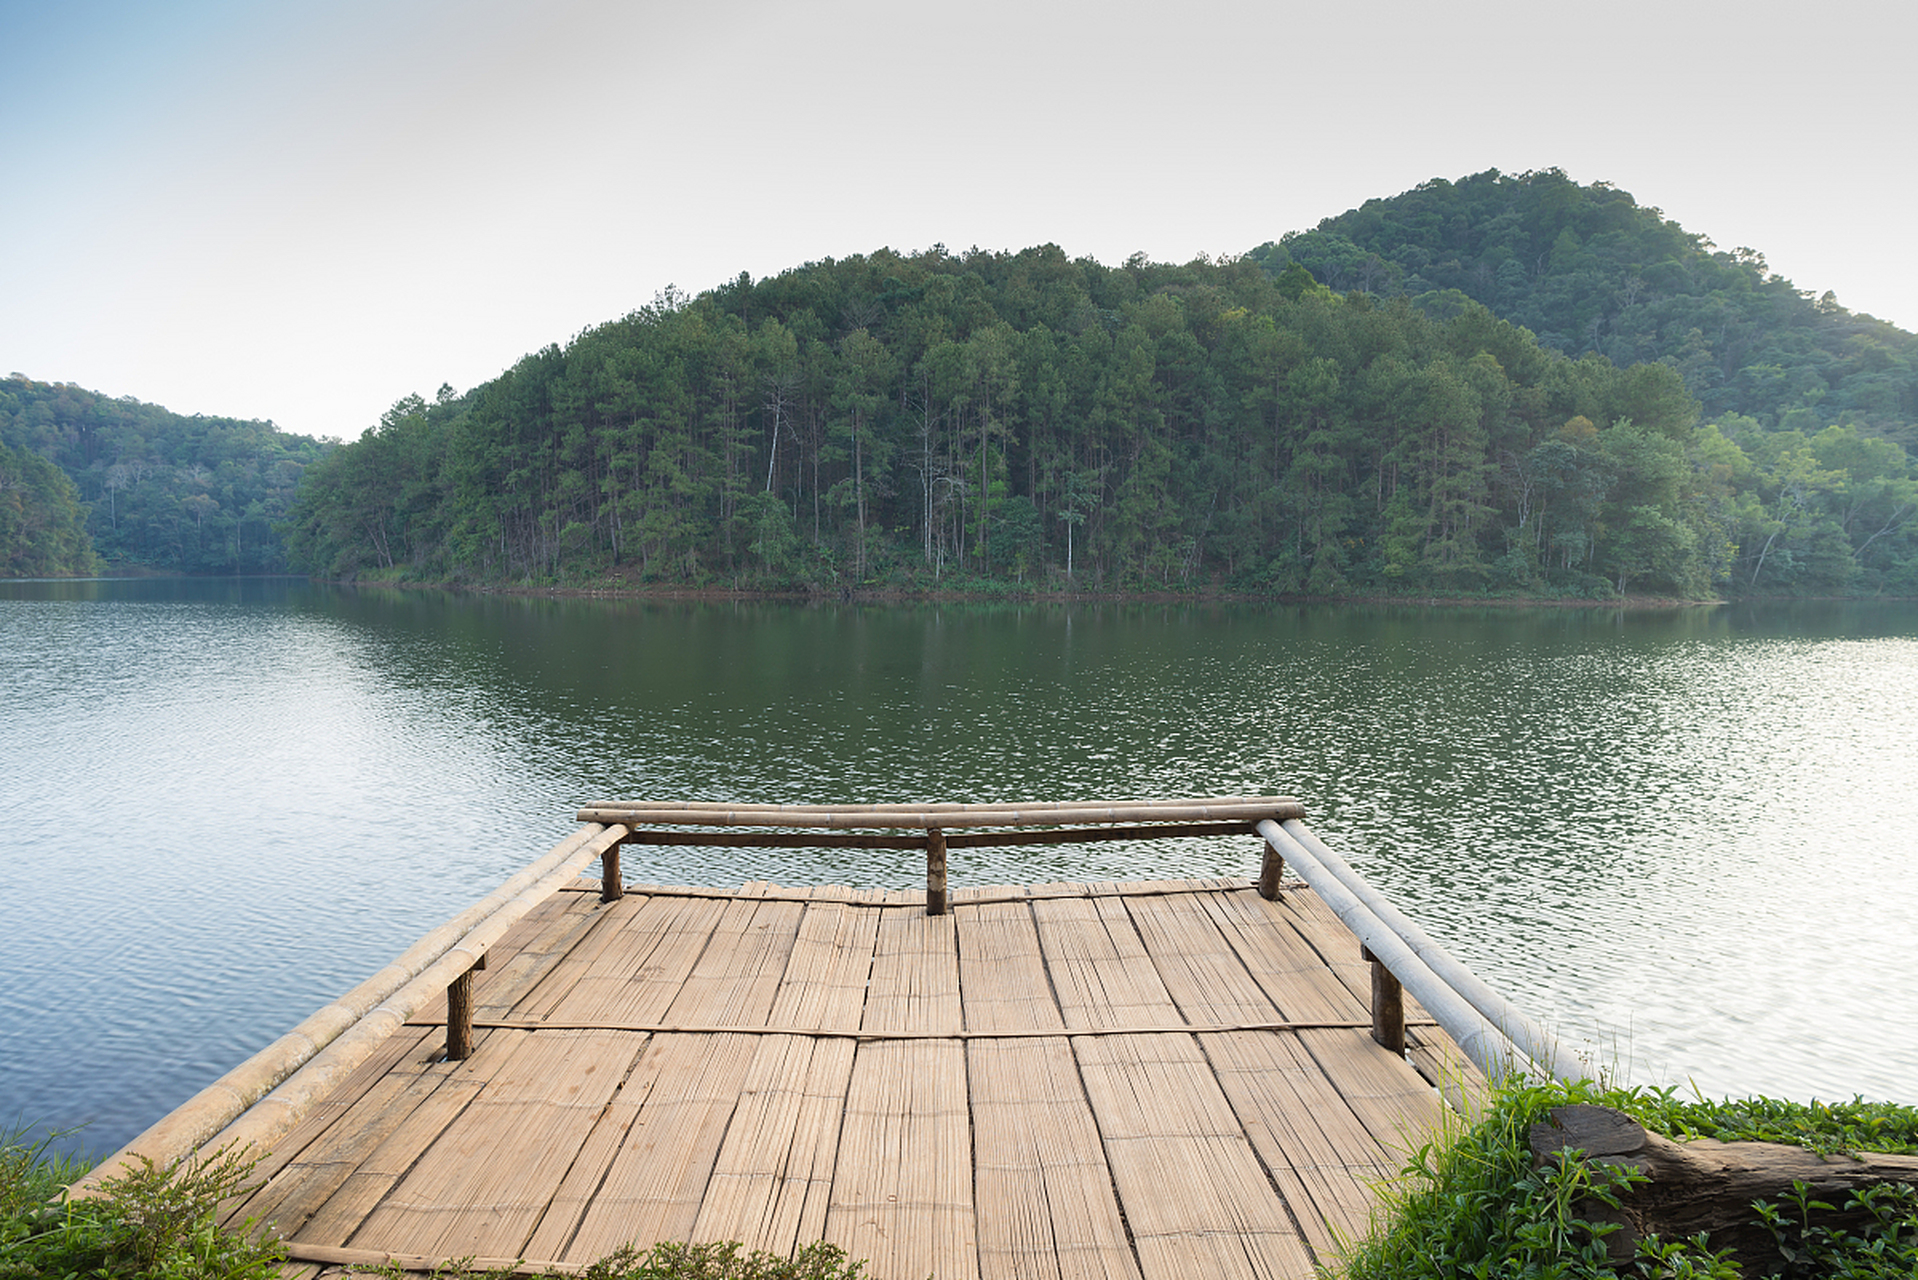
x: 1684, y: 839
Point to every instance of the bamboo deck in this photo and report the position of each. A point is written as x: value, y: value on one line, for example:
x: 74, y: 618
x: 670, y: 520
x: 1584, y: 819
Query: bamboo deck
x: 1146, y: 1080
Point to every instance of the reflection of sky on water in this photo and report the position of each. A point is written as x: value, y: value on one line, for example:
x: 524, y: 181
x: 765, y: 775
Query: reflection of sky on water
x: 1684, y: 837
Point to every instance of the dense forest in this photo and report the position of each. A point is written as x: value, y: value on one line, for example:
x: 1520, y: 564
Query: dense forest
x: 899, y: 422
x: 1500, y: 385
x: 42, y: 523
x: 1587, y: 269
x: 147, y: 488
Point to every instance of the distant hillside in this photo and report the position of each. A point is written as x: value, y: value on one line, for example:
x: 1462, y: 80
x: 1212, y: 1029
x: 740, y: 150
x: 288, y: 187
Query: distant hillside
x: 1588, y: 269
x: 157, y: 489
x: 1338, y: 413
x: 1025, y: 420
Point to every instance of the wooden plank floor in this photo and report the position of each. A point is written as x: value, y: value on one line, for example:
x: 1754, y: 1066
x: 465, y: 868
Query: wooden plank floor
x: 1153, y: 1081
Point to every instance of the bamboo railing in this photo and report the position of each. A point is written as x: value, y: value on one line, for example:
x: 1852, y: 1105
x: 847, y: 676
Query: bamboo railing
x: 1493, y: 1033
x: 265, y: 1096
x: 944, y: 826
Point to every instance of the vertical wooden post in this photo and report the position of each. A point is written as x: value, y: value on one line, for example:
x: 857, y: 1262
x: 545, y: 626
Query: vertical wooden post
x: 610, y: 887
x: 459, y: 1014
x: 1388, y: 1006
x: 936, y: 904
x: 1271, y: 868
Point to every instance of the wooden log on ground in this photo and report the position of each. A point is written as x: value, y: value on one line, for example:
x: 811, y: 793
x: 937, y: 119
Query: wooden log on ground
x: 936, y: 901
x: 1703, y: 1185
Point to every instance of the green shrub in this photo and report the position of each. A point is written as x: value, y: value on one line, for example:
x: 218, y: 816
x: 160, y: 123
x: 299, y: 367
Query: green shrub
x: 147, y: 1223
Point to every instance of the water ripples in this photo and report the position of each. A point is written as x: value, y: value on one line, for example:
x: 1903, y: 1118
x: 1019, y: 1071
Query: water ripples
x: 1684, y: 839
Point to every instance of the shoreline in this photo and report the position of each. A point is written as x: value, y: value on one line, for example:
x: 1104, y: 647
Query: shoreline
x: 896, y: 596
x: 619, y: 590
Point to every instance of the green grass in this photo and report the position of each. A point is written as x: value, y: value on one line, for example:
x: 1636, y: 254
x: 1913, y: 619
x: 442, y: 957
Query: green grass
x: 1471, y: 1204
x: 1829, y: 1128
x: 29, y: 1174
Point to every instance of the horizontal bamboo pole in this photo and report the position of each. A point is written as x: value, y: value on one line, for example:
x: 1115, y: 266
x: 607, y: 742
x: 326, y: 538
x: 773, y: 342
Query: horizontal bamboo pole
x: 932, y: 806
x: 215, y: 1108
x: 961, y: 840
x: 977, y: 897
x: 944, y: 808
x: 945, y: 816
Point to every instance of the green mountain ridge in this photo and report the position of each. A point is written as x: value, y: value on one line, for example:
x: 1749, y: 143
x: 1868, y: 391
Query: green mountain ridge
x: 1588, y: 269
x: 1650, y: 416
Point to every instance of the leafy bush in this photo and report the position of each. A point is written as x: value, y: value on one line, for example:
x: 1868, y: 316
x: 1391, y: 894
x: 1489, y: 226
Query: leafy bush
x: 151, y: 1222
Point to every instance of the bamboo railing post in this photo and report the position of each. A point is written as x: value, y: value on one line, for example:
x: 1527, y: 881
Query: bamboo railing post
x: 936, y: 904
x: 1271, y: 870
x: 610, y: 887
x: 459, y: 1014
x: 1388, y: 1005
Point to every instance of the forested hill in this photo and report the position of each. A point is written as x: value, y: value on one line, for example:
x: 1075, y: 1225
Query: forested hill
x: 42, y: 524
x: 139, y: 485
x: 890, y: 421
x: 1588, y: 269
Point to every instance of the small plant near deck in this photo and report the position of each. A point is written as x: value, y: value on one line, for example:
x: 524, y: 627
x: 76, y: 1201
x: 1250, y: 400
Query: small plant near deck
x: 668, y: 1260
x: 29, y: 1176
x: 148, y: 1223
x: 1472, y: 1204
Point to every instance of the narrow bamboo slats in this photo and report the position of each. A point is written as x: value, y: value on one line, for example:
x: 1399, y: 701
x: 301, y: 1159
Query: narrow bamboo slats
x: 1138, y: 1080
x: 1076, y: 1080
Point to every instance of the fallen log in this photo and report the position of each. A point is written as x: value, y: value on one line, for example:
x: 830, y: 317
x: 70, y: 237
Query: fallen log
x: 1705, y: 1185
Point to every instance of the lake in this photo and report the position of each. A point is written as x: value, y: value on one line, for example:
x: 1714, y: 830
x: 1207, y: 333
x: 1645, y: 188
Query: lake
x: 1685, y: 839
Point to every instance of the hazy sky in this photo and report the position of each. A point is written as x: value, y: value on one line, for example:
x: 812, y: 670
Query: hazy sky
x: 304, y: 211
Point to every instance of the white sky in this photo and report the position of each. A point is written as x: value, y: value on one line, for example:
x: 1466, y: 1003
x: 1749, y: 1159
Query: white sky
x: 304, y: 211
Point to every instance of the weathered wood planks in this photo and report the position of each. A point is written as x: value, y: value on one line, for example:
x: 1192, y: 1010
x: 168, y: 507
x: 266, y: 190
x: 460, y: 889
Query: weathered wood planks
x: 1045, y: 1082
